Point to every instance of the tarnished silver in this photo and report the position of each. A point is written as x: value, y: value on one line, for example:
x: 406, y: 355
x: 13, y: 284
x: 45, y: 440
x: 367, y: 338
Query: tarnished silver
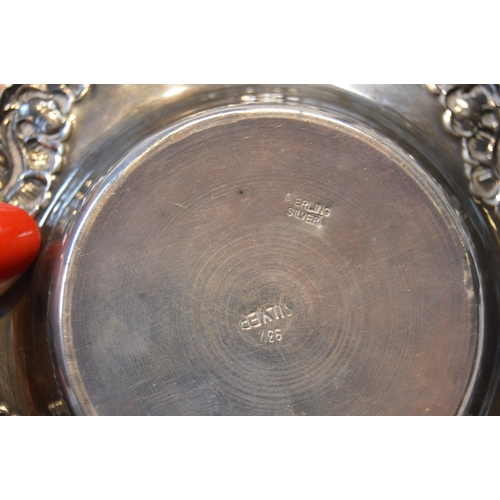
x: 35, y: 122
x: 472, y: 114
x: 262, y: 293
x: 257, y: 249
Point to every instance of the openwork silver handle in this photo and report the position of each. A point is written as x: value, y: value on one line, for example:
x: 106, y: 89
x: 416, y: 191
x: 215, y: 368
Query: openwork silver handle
x: 472, y: 114
x: 35, y: 122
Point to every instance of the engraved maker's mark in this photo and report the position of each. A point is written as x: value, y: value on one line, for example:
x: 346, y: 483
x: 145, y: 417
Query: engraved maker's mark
x: 265, y: 315
x: 307, y: 211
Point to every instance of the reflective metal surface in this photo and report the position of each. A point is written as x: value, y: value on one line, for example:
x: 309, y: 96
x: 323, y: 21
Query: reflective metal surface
x: 36, y: 122
x: 267, y: 250
x: 472, y: 114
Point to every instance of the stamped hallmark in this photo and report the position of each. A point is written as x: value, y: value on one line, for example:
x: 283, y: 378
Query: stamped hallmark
x: 265, y: 315
x: 270, y: 336
x: 307, y: 211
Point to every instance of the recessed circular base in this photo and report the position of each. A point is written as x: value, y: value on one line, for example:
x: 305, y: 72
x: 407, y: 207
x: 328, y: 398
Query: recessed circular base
x: 271, y: 261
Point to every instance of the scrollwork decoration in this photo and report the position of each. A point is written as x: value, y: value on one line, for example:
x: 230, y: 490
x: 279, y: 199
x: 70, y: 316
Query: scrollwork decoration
x: 472, y: 114
x: 35, y: 122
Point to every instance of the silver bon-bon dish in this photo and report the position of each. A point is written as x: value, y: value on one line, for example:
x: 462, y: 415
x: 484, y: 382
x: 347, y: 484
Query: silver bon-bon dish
x: 253, y: 249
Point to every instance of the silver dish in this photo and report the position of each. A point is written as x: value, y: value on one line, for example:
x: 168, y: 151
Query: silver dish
x: 255, y: 250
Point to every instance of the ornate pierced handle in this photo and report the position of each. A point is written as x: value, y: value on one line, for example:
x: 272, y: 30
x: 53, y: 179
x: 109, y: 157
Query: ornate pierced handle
x: 472, y: 114
x: 35, y: 122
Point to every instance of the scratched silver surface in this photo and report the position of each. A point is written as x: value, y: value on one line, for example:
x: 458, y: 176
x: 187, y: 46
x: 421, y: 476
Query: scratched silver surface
x: 285, y: 263
x: 264, y: 250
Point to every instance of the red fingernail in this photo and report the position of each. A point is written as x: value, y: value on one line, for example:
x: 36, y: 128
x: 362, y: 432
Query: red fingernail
x: 19, y: 240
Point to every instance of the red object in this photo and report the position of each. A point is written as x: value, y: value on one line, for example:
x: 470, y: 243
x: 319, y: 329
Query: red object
x: 19, y: 240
